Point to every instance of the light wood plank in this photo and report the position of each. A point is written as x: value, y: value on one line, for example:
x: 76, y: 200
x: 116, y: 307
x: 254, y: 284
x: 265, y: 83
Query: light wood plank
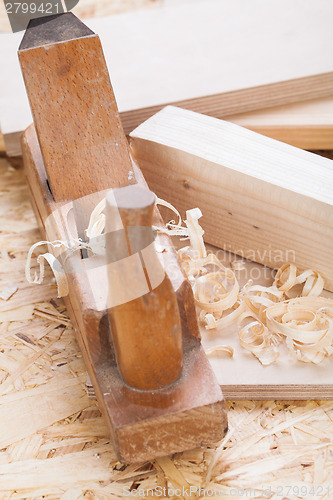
x: 222, y: 58
x: 262, y: 199
x: 306, y: 125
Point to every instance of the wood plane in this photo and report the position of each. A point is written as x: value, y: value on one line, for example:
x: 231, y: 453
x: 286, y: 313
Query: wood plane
x: 142, y: 351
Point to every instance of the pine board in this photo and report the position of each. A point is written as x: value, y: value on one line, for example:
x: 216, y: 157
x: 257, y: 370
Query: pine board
x: 262, y: 199
x: 306, y: 125
x: 186, y: 159
x: 215, y: 61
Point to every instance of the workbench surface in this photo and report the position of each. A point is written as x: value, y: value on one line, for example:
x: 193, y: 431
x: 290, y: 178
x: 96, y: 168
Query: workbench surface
x: 54, y: 443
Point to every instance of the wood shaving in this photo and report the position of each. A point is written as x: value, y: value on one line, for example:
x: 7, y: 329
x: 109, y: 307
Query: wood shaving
x: 237, y: 265
x: 287, y: 278
x: 96, y: 244
x: 55, y: 265
x: 256, y: 338
x: 220, y: 349
x: 307, y: 325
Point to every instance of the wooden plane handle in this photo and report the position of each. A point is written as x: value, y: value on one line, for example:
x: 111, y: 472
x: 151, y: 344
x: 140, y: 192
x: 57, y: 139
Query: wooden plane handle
x: 81, y: 138
x: 143, y: 312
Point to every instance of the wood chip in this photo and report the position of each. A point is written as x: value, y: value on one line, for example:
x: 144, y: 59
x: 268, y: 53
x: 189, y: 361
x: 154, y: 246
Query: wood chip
x: 19, y: 314
x: 7, y: 290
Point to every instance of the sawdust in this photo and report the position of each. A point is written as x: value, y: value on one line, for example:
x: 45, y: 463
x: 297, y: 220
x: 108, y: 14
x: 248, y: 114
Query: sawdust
x: 53, y: 440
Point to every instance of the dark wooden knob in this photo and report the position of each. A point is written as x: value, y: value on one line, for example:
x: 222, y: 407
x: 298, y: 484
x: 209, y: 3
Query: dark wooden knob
x: 143, y: 309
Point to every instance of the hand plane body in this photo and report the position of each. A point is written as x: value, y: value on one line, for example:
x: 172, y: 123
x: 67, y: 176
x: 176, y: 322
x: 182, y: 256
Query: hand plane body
x: 132, y: 308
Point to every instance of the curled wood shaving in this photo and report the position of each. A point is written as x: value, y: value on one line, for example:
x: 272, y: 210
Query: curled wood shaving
x: 218, y: 306
x: 307, y: 325
x: 97, y: 220
x: 210, y: 291
x: 220, y: 349
x: 59, y: 274
x: 96, y: 226
x: 166, y: 204
x: 287, y: 278
x: 96, y: 244
x: 257, y: 339
x: 171, y: 228
x: 258, y: 298
x: 226, y: 318
x: 196, y: 266
x: 195, y: 232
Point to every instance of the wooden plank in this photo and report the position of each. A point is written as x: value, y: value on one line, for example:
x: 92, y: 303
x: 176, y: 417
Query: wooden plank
x: 306, y: 125
x: 204, y: 59
x: 262, y: 199
x: 206, y: 66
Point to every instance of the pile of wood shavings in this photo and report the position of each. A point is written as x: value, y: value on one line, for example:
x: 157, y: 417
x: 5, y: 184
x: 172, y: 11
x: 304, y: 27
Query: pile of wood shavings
x: 264, y: 316
x: 54, y: 443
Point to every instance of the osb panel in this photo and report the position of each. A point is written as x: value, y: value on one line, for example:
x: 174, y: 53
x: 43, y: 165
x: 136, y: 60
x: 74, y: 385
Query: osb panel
x: 53, y: 441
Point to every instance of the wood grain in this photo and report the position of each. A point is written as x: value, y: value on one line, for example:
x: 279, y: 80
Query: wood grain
x: 48, y: 407
x: 215, y: 60
x: 306, y: 125
x: 262, y: 199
